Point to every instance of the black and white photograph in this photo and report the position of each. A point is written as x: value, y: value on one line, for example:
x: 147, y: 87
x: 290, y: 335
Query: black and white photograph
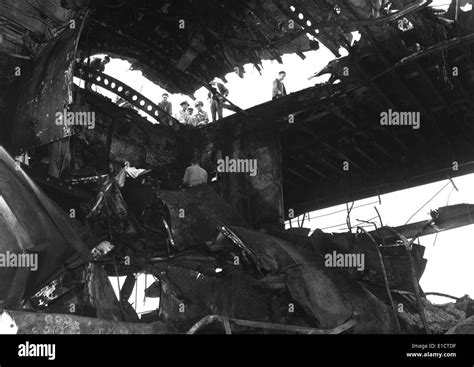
x: 300, y: 168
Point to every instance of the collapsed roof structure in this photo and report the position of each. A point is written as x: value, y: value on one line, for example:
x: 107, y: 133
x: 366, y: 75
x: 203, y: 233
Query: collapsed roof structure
x: 219, y: 253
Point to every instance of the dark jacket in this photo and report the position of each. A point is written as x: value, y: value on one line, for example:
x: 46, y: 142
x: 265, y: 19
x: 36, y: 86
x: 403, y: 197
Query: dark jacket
x: 166, y: 106
x: 221, y: 89
x: 279, y: 89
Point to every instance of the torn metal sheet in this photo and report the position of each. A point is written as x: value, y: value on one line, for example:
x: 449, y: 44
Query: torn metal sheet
x: 395, y: 256
x: 188, y: 295
x: 330, y: 296
x: 46, y: 91
x: 51, y: 240
x: 101, y: 294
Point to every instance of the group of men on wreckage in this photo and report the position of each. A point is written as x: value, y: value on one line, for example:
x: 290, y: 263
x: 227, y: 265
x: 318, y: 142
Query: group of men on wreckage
x: 217, y: 98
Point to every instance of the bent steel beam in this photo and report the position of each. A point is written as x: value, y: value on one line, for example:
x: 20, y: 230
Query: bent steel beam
x: 129, y: 94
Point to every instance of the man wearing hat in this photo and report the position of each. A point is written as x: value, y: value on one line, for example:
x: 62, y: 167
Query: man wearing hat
x: 201, y: 116
x: 183, y: 115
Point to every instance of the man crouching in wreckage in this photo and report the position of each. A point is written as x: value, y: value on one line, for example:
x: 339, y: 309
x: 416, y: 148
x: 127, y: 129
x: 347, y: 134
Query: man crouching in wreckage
x: 214, y: 274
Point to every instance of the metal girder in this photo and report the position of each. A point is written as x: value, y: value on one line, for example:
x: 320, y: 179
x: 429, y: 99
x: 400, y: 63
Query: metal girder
x: 129, y: 94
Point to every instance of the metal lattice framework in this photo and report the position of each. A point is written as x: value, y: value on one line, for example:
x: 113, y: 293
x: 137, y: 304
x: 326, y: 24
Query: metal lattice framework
x: 95, y: 77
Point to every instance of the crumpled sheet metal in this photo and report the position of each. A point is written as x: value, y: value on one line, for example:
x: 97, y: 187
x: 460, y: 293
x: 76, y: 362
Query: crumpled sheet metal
x: 330, y: 296
x: 46, y: 91
x: 39, y: 224
x: 196, y: 214
x: 232, y: 294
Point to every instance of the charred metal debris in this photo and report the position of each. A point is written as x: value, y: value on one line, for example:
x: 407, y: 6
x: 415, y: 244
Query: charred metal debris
x: 219, y: 255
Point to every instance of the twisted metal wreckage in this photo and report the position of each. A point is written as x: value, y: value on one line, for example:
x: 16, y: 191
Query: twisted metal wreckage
x: 209, y: 266
x: 221, y: 260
